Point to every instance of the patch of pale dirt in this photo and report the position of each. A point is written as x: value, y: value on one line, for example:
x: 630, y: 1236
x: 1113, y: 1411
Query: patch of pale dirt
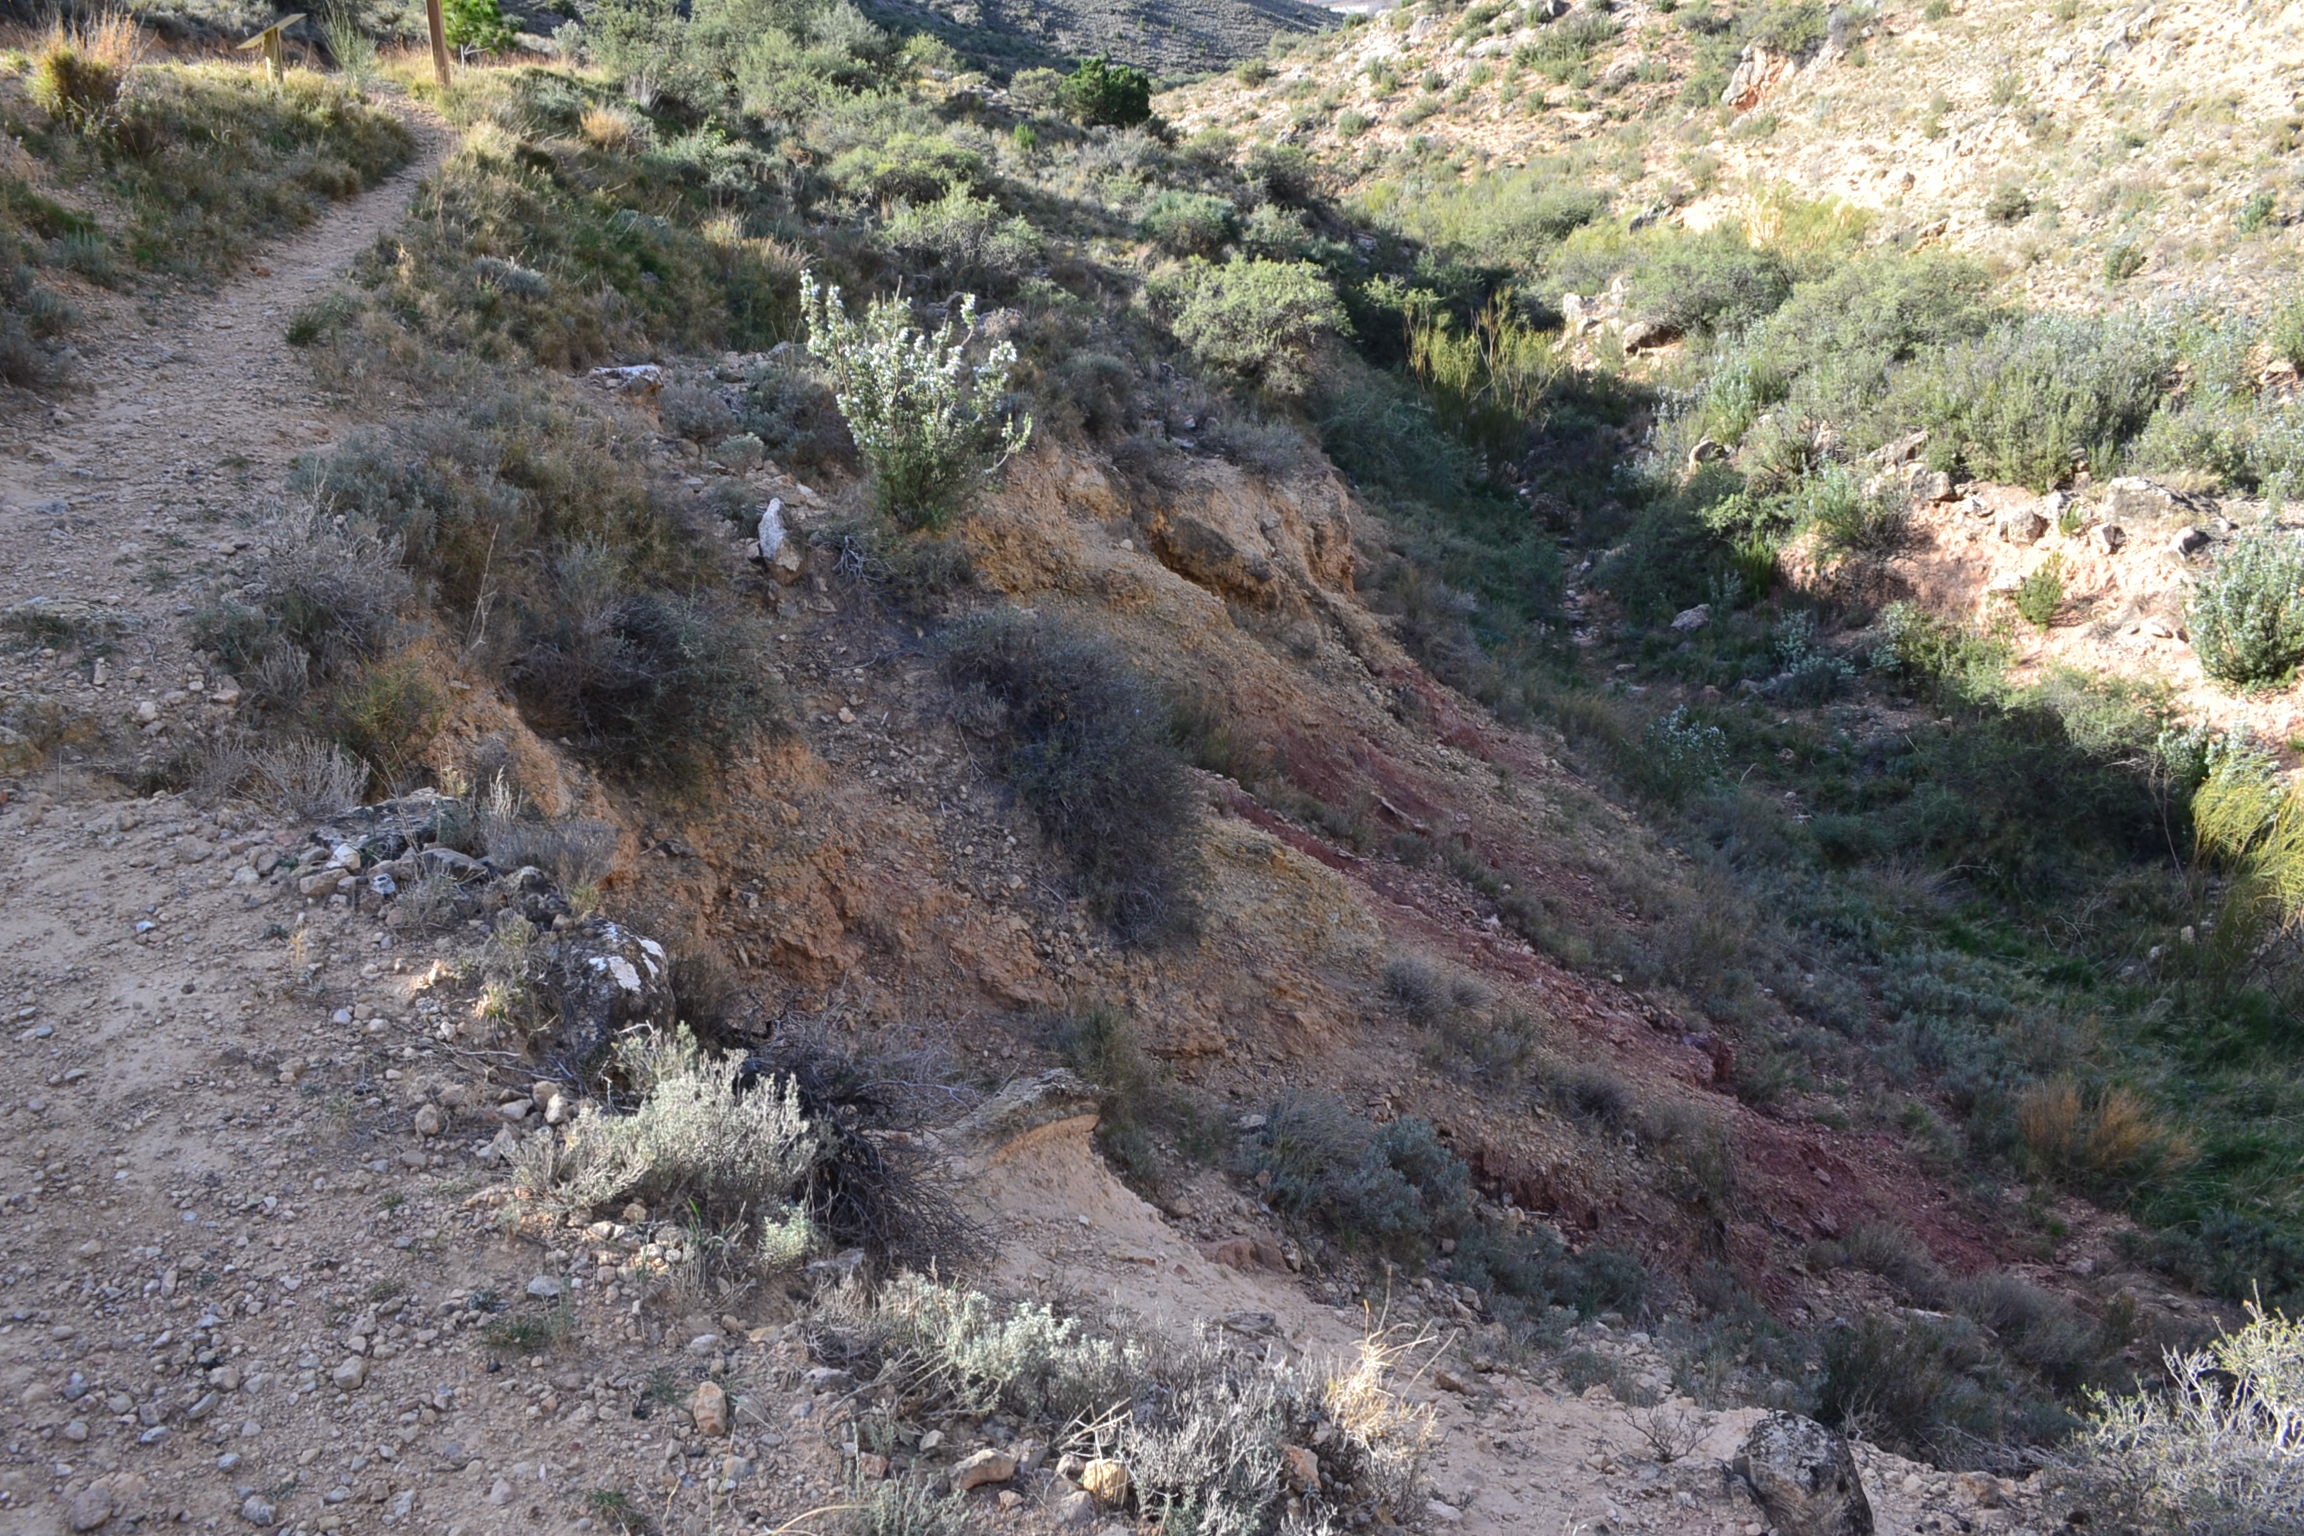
x: 2123, y: 613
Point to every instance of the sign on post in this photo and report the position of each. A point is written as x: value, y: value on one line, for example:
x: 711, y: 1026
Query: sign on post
x: 273, y: 44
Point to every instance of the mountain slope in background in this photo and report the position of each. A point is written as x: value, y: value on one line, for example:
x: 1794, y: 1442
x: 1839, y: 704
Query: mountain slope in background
x: 2152, y: 149
x: 1172, y: 38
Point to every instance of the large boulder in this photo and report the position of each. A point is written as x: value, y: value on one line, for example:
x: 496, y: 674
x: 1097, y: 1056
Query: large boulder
x: 1804, y: 1478
x: 602, y: 980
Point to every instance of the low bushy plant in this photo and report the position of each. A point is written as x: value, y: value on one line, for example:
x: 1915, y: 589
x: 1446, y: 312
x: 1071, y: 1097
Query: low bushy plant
x: 2246, y: 615
x: 1262, y: 322
x: 1088, y: 744
x: 1189, y: 223
x: 2217, y: 1451
x: 927, y: 416
x: 1393, y: 1188
x: 731, y: 1161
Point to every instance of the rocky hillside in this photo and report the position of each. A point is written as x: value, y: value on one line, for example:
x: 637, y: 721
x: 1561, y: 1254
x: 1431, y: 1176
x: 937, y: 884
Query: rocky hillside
x: 789, y: 790
x: 1175, y: 39
x: 2081, y: 149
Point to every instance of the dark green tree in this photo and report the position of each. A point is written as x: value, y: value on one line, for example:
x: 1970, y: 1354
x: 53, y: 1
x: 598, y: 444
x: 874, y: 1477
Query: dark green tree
x: 1102, y: 93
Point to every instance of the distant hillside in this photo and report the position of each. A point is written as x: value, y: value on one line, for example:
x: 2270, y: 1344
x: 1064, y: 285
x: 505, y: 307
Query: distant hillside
x: 1175, y: 39
x: 2061, y: 145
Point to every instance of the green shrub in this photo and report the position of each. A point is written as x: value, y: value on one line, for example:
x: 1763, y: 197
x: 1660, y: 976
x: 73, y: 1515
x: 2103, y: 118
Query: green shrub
x: 1279, y: 173
x: 1923, y: 1386
x: 654, y: 685
x: 1188, y: 223
x: 2040, y: 595
x: 918, y: 167
x: 2123, y: 262
x: 1101, y: 93
x: 1087, y: 743
x: 2246, y: 615
x: 1796, y: 28
x: 1683, y: 753
x: 2032, y: 399
x: 1393, y: 1188
x: 1260, y: 321
x: 925, y: 416
x: 2008, y: 205
x: 1832, y: 346
x: 1523, y: 1272
x: 969, y: 240
x: 2257, y: 211
x: 477, y: 26
x: 1563, y: 47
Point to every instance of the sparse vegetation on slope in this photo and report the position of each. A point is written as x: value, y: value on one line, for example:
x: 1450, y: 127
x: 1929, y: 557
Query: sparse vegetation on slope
x: 127, y: 167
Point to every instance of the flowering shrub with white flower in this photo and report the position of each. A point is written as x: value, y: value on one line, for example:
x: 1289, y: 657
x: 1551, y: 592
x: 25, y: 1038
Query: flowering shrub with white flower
x: 926, y: 417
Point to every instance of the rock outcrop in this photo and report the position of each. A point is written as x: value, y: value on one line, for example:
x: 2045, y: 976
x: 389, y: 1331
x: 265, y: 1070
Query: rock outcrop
x: 1804, y: 1478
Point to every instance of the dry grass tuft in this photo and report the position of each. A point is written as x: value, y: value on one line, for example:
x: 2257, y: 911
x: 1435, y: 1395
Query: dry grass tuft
x: 614, y: 130
x: 2112, y: 1137
x: 81, y: 66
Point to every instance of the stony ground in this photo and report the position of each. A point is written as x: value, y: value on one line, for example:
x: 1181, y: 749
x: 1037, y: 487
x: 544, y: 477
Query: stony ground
x: 254, y: 1268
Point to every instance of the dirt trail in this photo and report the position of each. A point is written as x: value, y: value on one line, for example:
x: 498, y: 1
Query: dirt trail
x: 169, y: 427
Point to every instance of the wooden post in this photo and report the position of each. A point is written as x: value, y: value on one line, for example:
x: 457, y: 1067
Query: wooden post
x: 439, y: 41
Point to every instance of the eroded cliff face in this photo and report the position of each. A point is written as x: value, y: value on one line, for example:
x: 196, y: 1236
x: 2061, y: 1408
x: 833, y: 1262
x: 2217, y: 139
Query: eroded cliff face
x: 872, y: 868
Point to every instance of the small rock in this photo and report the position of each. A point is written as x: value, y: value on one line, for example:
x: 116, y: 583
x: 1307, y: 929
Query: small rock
x: 709, y: 1408
x: 2021, y: 525
x: 2187, y: 542
x: 1688, y: 619
x: 90, y: 1507
x: 871, y: 1467
x: 544, y: 1288
x: 1300, y: 1468
x: 2106, y: 538
x: 2130, y: 497
x: 1983, y: 1490
x: 1443, y: 1511
x: 1106, y: 1480
x: 1647, y: 335
x: 980, y: 1467
x: 76, y: 1431
x: 257, y: 1511
x: 1075, y: 1509
x: 429, y: 1121
x: 352, y: 1374
x: 500, y: 1493
x: 1447, y: 1380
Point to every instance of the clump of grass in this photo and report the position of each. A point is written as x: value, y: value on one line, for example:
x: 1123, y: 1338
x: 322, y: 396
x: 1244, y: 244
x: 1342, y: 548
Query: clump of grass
x: 79, y: 68
x: 1087, y: 742
x: 2109, y: 1139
